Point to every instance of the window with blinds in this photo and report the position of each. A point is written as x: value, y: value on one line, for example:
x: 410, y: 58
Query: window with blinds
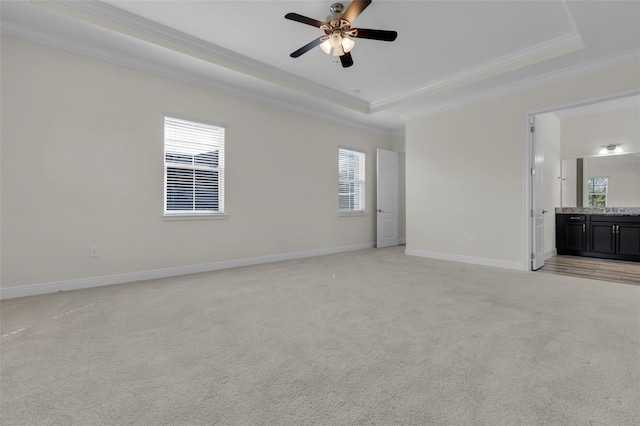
x: 351, y: 179
x: 194, y: 167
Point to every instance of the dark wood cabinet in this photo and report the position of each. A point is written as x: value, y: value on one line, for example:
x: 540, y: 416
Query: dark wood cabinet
x: 611, y: 237
x: 602, y: 238
x: 571, y: 234
x: 628, y: 239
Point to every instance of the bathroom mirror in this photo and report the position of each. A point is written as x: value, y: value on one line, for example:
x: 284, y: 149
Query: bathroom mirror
x: 601, y: 181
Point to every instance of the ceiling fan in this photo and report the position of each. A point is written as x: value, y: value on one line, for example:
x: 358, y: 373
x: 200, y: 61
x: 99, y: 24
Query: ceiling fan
x: 337, y: 30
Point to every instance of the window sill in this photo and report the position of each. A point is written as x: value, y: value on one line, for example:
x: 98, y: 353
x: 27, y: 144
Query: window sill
x: 216, y: 216
x: 352, y: 213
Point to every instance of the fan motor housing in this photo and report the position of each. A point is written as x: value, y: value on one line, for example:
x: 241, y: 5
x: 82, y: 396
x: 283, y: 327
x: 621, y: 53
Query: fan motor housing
x: 336, y: 8
x: 334, y: 20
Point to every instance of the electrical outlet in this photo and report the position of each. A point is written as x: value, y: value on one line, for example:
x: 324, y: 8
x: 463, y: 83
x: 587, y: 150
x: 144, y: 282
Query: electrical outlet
x: 473, y: 239
x: 93, y: 251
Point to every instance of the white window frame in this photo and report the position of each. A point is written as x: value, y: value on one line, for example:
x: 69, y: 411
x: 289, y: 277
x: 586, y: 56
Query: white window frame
x: 198, y: 135
x: 358, y: 177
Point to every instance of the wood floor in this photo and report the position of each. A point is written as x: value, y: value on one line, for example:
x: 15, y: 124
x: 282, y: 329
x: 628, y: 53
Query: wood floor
x: 600, y: 269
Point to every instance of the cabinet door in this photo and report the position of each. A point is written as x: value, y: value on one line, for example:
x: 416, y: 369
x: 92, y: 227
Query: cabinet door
x: 575, y: 236
x: 602, y: 238
x: 628, y: 241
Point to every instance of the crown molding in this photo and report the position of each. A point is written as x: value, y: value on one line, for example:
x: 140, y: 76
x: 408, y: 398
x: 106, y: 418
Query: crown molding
x: 124, y: 23
x: 590, y: 67
x: 135, y: 63
x: 529, y: 56
x: 112, y: 18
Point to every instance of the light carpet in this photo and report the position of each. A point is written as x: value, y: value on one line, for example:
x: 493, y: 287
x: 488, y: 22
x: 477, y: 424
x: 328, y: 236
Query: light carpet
x: 367, y: 337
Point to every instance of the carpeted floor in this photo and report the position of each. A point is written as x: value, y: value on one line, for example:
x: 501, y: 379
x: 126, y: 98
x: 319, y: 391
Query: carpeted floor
x: 368, y: 337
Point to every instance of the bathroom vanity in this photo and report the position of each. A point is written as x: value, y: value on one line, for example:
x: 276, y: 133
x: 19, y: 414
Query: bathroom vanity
x: 610, y: 233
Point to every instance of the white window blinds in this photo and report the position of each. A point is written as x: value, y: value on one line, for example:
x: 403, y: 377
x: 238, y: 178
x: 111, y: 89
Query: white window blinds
x: 351, y: 180
x: 194, y: 167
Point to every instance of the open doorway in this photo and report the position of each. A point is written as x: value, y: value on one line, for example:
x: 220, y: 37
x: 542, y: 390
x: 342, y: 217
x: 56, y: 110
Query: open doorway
x: 567, y: 147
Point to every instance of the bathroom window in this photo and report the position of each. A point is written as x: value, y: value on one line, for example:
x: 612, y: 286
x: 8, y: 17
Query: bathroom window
x: 598, y: 191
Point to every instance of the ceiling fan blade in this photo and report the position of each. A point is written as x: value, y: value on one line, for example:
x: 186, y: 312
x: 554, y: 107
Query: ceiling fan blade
x: 346, y: 60
x: 299, y: 18
x: 307, y: 47
x: 355, y: 8
x: 383, y: 35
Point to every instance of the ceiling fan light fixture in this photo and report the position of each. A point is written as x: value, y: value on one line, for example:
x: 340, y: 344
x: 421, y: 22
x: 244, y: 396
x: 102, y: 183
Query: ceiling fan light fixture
x: 326, y: 47
x: 335, y: 40
x: 347, y: 44
x: 338, y: 31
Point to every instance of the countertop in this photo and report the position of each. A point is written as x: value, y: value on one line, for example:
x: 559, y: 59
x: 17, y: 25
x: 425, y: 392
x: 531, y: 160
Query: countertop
x: 605, y: 211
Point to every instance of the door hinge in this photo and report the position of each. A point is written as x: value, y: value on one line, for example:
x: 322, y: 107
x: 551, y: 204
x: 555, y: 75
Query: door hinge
x: 533, y: 256
x: 533, y: 172
x: 533, y: 129
x: 532, y: 213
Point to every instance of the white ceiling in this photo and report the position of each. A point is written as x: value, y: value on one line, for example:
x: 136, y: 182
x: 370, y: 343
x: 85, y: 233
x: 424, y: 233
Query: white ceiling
x: 447, y: 52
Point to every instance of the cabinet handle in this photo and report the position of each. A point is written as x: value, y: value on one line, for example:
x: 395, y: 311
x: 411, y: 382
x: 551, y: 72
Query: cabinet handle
x: 613, y: 229
x: 584, y: 227
x: 617, y: 229
x: 575, y: 218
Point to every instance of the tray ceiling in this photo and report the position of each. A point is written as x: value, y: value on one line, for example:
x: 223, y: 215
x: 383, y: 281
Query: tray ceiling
x: 446, y: 51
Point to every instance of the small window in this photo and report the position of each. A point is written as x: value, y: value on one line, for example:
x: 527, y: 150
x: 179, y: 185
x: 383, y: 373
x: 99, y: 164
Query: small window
x: 598, y: 191
x: 351, y: 178
x: 194, y: 167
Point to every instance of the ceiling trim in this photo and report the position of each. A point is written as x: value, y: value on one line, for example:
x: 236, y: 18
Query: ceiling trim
x: 182, y: 77
x: 552, y: 48
x: 124, y: 23
x: 112, y: 18
x: 622, y: 58
x: 541, y: 52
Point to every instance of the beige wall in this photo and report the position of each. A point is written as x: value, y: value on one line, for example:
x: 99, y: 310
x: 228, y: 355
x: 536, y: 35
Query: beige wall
x: 569, y: 183
x: 398, y: 144
x: 82, y: 165
x: 584, y: 136
x: 402, y: 196
x: 466, y: 171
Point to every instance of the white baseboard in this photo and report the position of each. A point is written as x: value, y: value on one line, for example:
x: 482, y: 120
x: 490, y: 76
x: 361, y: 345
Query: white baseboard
x: 467, y: 259
x: 53, y: 287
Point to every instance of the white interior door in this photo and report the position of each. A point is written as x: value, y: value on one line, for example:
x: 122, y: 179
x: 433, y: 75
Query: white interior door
x: 388, y: 172
x: 537, y: 207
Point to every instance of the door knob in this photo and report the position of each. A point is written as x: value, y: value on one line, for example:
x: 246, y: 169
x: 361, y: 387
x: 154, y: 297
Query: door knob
x: 544, y: 211
x: 380, y: 211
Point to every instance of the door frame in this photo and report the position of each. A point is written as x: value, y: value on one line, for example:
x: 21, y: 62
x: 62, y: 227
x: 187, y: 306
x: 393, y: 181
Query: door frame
x: 528, y: 163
